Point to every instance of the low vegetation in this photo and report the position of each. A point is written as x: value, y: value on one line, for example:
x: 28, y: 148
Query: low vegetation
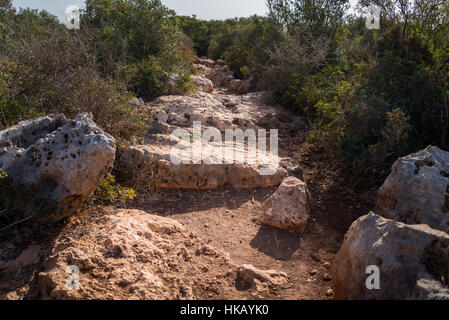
x: 370, y: 96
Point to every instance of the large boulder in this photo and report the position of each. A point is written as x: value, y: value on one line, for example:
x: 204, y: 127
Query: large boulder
x: 289, y: 207
x: 213, y: 170
x: 203, y: 84
x: 64, y: 159
x: 412, y: 260
x: 417, y: 190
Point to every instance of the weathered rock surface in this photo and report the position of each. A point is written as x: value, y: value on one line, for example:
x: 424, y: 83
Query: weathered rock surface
x: 250, y: 275
x: 203, y: 84
x: 413, y: 261
x: 235, y: 84
x: 129, y: 254
x: 65, y: 159
x: 217, y: 72
x: 205, y: 61
x: 247, y: 85
x: 289, y: 207
x: 215, y: 166
x: 215, y: 110
x: 417, y: 190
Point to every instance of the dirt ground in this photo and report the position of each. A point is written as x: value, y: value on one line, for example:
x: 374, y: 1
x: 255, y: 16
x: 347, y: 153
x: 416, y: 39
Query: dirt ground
x: 228, y: 219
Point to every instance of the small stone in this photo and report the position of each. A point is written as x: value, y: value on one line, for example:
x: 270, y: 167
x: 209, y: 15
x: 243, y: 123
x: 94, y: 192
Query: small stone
x: 330, y: 292
x: 314, y: 272
x: 327, y: 277
x: 289, y: 207
x: 327, y: 265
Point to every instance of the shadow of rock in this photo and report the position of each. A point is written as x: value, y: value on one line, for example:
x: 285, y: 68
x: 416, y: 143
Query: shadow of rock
x: 277, y: 243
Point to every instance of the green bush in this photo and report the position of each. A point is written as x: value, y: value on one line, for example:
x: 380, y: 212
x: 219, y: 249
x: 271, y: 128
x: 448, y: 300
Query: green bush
x: 369, y: 115
x: 109, y: 191
x: 141, y: 40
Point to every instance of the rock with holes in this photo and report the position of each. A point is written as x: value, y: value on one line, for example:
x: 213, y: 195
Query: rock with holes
x: 412, y: 261
x: 289, y: 207
x: 203, y: 84
x: 64, y: 159
x: 170, y: 163
x: 417, y: 190
x: 213, y: 110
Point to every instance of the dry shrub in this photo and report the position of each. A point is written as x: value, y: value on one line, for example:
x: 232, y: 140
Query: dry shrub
x: 298, y: 53
x: 58, y: 74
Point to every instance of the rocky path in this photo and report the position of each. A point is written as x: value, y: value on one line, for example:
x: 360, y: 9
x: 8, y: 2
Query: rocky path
x: 195, y: 231
x: 229, y: 219
x: 222, y: 230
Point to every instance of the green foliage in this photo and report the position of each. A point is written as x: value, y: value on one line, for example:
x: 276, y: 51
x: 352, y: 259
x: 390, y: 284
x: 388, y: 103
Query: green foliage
x: 134, y: 34
x: 199, y: 31
x: 321, y: 17
x: 378, y: 105
x: 111, y: 192
x: 240, y: 42
x: 406, y: 75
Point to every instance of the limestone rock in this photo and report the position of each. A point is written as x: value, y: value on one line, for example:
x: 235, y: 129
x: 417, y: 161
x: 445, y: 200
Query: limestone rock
x: 289, y: 207
x: 130, y: 254
x: 249, y: 274
x: 412, y: 260
x: 235, y: 84
x: 203, y: 84
x: 247, y: 85
x: 213, y: 110
x: 205, y: 62
x: 417, y: 190
x: 65, y: 159
x: 209, y: 173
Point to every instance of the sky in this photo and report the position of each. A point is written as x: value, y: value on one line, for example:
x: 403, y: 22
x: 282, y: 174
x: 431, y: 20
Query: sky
x: 204, y: 9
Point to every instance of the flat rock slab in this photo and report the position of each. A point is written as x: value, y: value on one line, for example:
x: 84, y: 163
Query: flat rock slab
x: 166, y: 171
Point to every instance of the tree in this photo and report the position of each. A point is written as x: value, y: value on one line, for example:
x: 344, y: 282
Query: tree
x: 320, y: 17
x: 429, y: 16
